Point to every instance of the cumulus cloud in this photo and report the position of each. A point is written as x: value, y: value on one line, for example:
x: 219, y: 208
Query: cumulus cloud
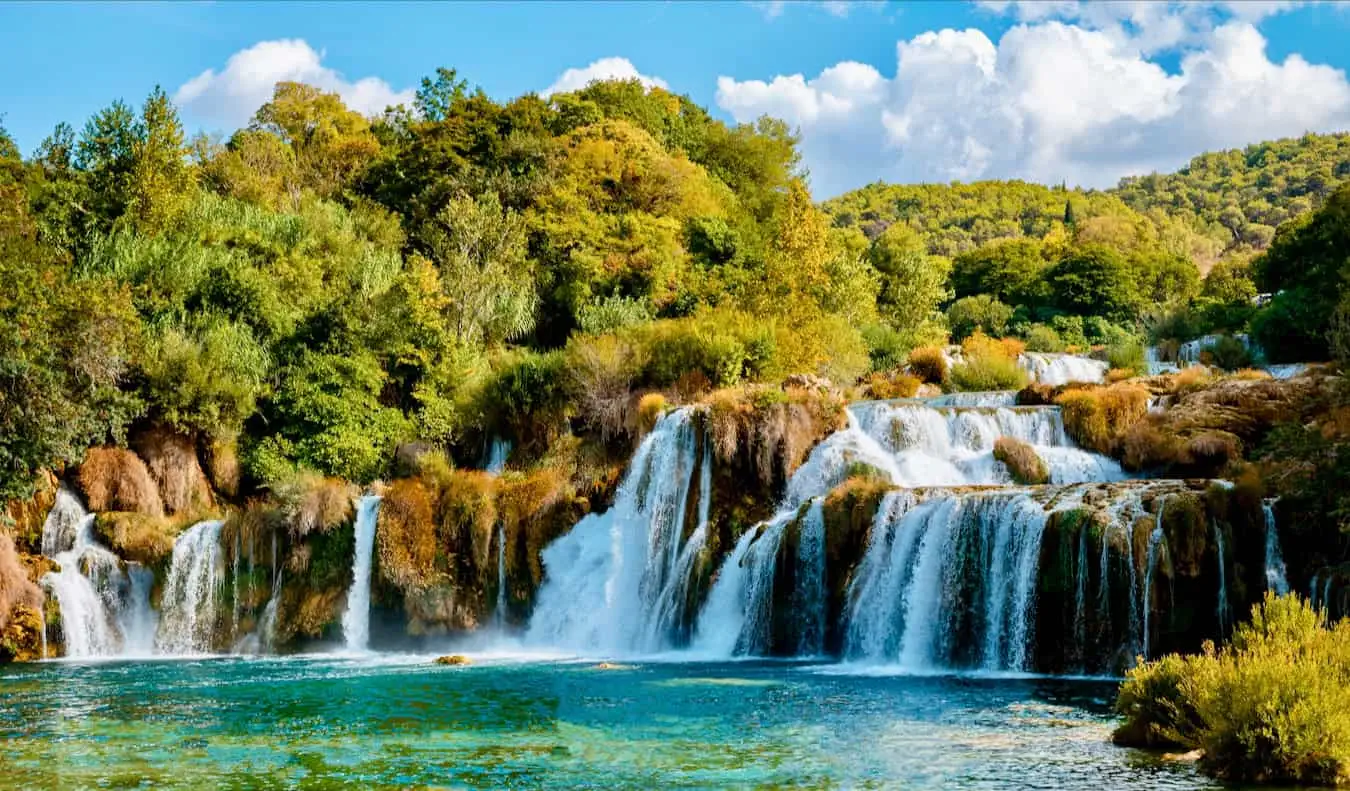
x: 1048, y: 102
x: 603, y: 69
x: 230, y: 97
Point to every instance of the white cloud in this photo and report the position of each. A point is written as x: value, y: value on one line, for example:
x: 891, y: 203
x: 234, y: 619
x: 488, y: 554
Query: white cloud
x: 603, y: 69
x: 1047, y: 102
x: 230, y: 97
x: 1147, y: 25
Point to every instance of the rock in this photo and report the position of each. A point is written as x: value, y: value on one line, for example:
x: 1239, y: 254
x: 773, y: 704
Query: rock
x: 928, y: 390
x: 26, y: 517
x: 1188, y: 757
x: 142, y: 538
x: 809, y: 382
x: 172, y: 461
x: 610, y: 666
x: 456, y: 660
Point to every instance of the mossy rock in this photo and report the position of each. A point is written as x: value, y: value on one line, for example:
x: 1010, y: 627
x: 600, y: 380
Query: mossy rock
x: 143, y: 538
x: 454, y: 660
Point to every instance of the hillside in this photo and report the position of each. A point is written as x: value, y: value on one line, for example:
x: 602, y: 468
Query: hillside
x: 1223, y: 204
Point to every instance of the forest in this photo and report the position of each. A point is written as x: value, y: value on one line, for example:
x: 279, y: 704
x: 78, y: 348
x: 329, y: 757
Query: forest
x: 320, y: 288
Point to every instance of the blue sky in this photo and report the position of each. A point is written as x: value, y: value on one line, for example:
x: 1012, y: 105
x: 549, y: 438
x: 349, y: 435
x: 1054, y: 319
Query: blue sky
x: 1014, y: 90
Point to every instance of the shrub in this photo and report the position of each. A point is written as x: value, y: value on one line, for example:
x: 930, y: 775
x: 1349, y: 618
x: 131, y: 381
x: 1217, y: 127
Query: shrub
x: 145, y: 539
x: 1023, y: 464
x: 895, y: 385
x: 313, y: 503
x: 1227, y: 353
x: 1040, y: 338
x: 1128, y: 356
x: 1272, y: 707
x: 929, y: 364
x: 115, y: 479
x: 980, y: 313
x: 989, y: 365
x: 1191, y: 380
x: 886, y: 347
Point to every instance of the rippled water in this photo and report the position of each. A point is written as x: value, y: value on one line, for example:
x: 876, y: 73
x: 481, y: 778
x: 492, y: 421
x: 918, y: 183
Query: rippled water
x: 402, y: 722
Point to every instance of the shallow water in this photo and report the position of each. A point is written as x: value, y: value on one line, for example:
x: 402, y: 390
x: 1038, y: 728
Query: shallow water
x: 402, y: 722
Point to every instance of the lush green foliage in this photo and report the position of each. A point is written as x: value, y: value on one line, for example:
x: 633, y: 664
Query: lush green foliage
x: 1273, y: 706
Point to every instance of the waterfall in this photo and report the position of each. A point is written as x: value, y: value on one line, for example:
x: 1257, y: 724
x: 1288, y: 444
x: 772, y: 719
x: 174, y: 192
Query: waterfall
x: 1224, y: 611
x: 1060, y: 369
x: 89, y: 585
x: 499, y: 616
x: 987, y: 399
x: 356, y: 619
x: 191, y: 592
x: 498, y: 452
x: 810, y: 592
x: 736, y: 619
x: 609, y: 580
x: 1080, y: 588
x: 1155, y: 539
x: 922, y: 445
x: 944, y: 566
x: 1276, y: 579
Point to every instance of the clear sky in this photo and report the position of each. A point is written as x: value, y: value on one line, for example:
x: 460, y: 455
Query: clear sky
x: 1050, y: 91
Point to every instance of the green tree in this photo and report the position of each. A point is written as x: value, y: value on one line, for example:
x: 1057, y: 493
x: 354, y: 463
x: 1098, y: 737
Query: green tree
x: 1094, y: 280
x: 913, y: 283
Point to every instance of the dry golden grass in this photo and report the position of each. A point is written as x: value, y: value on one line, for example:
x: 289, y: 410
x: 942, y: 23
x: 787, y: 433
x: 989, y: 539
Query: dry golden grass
x: 1212, y: 451
x: 1023, y: 464
x: 1118, y: 375
x: 313, y: 503
x: 405, y: 538
x: 649, y: 410
x: 1097, y: 418
x: 1252, y: 374
x: 1147, y: 446
x: 115, y: 479
x: 929, y: 364
x: 1192, y: 379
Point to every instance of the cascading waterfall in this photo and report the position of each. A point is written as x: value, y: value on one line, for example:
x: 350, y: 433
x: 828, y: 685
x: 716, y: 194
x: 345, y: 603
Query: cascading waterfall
x: 356, y: 619
x: 945, y: 566
x: 191, y: 592
x: 1060, y: 369
x: 1276, y: 575
x: 98, y: 603
x: 611, y: 581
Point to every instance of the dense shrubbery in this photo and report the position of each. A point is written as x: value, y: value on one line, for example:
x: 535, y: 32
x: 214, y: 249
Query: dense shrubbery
x: 1273, y: 706
x: 988, y: 364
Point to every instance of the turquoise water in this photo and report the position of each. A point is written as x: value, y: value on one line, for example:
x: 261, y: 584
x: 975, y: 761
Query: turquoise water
x: 402, y: 722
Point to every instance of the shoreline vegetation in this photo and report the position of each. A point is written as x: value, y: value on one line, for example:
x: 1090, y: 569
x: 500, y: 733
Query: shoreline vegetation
x: 251, y: 331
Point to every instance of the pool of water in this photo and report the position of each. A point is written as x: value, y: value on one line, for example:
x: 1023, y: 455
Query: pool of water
x: 403, y: 722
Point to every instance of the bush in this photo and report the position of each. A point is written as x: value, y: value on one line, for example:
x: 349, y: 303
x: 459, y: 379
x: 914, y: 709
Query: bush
x: 1227, y: 353
x: 989, y: 365
x: 1040, y: 338
x: 929, y: 364
x: 981, y: 313
x: 896, y: 385
x: 1128, y: 356
x: 650, y: 408
x: 1271, y: 707
x: 1023, y: 464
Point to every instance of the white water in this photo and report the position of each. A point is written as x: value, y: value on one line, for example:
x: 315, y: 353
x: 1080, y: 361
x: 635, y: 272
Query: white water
x: 1155, y: 540
x: 1276, y: 575
x: 102, y: 612
x: 497, y: 454
x: 499, y: 614
x: 810, y: 593
x: 1059, y: 369
x: 613, y: 580
x: 916, y: 586
x: 191, y: 592
x: 356, y: 619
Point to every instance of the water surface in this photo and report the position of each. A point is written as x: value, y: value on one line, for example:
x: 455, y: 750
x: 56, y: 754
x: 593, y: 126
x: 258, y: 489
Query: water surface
x: 401, y: 722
